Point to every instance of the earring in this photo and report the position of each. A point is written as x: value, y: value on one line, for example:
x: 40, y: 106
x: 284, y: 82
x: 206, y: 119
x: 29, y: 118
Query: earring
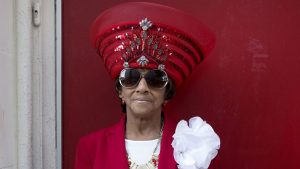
x: 123, y: 101
x: 165, y: 103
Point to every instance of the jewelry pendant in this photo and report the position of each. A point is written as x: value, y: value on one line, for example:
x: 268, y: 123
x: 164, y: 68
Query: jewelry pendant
x: 145, y: 166
x: 152, y: 164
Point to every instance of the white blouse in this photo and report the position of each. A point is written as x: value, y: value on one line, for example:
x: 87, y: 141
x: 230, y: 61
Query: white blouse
x: 141, y: 151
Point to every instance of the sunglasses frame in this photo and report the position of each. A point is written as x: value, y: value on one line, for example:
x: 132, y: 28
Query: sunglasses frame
x: 142, y: 75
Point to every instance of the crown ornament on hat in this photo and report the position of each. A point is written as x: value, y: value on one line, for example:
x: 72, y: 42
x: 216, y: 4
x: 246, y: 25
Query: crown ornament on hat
x: 168, y: 39
x: 144, y: 43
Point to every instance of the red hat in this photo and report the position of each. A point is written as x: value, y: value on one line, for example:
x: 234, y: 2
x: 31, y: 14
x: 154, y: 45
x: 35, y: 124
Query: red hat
x: 150, y: 36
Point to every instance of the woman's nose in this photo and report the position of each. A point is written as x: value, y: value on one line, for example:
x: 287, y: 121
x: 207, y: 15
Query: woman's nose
x: 142, y: 86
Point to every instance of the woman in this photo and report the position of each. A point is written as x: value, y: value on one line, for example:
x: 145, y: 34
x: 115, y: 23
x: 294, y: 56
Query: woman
x: 149, y: 49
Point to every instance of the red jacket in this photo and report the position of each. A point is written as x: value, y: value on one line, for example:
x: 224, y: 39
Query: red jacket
x: 105, y: 149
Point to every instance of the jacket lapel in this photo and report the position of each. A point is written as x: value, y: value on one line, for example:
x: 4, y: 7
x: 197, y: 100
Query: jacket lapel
x: 117, y: 158
x: 166, y: 159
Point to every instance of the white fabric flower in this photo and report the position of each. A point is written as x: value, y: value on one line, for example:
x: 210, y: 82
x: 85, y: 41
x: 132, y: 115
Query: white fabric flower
x: 195, y: 145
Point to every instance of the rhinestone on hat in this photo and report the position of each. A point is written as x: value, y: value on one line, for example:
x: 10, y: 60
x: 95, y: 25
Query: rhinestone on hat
x: 161, y: 67
x: 143, y: 61
x: 126, y: 65
x: 145, y: 24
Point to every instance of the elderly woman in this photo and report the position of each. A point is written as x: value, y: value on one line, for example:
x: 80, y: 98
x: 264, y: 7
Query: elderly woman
x: 149, y: 49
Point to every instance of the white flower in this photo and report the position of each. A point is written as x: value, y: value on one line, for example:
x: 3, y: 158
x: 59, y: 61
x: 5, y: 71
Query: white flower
x: 195, y: 145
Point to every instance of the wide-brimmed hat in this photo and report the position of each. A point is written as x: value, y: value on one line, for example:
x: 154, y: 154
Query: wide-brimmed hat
x: 150, y: 36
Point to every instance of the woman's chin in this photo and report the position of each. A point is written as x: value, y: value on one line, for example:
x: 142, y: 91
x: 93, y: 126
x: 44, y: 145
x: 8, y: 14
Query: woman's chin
x: 142, y: 106
x: 142, y: 110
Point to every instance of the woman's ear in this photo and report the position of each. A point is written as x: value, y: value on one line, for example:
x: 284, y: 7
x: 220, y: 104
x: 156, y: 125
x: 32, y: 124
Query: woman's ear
x: 120, y: 94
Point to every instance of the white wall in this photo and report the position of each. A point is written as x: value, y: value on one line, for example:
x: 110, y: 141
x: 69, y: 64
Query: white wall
x: 27, y: 86
x: 8, y: 98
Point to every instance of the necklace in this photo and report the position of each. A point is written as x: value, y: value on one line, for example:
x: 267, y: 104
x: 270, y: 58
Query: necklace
x: 153, y: 162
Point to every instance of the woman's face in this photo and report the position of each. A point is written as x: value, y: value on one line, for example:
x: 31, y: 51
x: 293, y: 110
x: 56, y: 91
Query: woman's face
x: 143, y: 100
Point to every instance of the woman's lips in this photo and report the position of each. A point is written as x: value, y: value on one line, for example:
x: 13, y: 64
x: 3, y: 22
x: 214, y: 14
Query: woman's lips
x: 142, y: 100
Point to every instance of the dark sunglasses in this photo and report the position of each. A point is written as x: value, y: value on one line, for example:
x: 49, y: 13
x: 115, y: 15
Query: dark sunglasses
x: 155, y: 78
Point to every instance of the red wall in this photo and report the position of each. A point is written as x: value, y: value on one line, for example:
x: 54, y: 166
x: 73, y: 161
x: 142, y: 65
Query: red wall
x: 248, y: 89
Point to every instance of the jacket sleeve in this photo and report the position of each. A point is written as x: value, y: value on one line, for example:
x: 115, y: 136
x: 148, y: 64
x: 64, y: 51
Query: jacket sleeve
x: 83, y: 158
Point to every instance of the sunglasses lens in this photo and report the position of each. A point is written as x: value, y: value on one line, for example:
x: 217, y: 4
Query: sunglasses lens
x: 129, y: 77
x: 156, y: 78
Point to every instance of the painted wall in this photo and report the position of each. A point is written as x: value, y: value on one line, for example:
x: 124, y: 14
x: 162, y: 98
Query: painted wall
x: 7, y: 86
x: 248, y: 89
x: 27, y: 86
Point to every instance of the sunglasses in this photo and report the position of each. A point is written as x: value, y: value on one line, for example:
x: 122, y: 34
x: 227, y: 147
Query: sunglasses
x: 155, y: 78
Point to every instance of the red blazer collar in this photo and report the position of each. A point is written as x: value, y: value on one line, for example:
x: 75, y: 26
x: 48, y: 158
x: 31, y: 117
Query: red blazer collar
x: 117, y: 157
